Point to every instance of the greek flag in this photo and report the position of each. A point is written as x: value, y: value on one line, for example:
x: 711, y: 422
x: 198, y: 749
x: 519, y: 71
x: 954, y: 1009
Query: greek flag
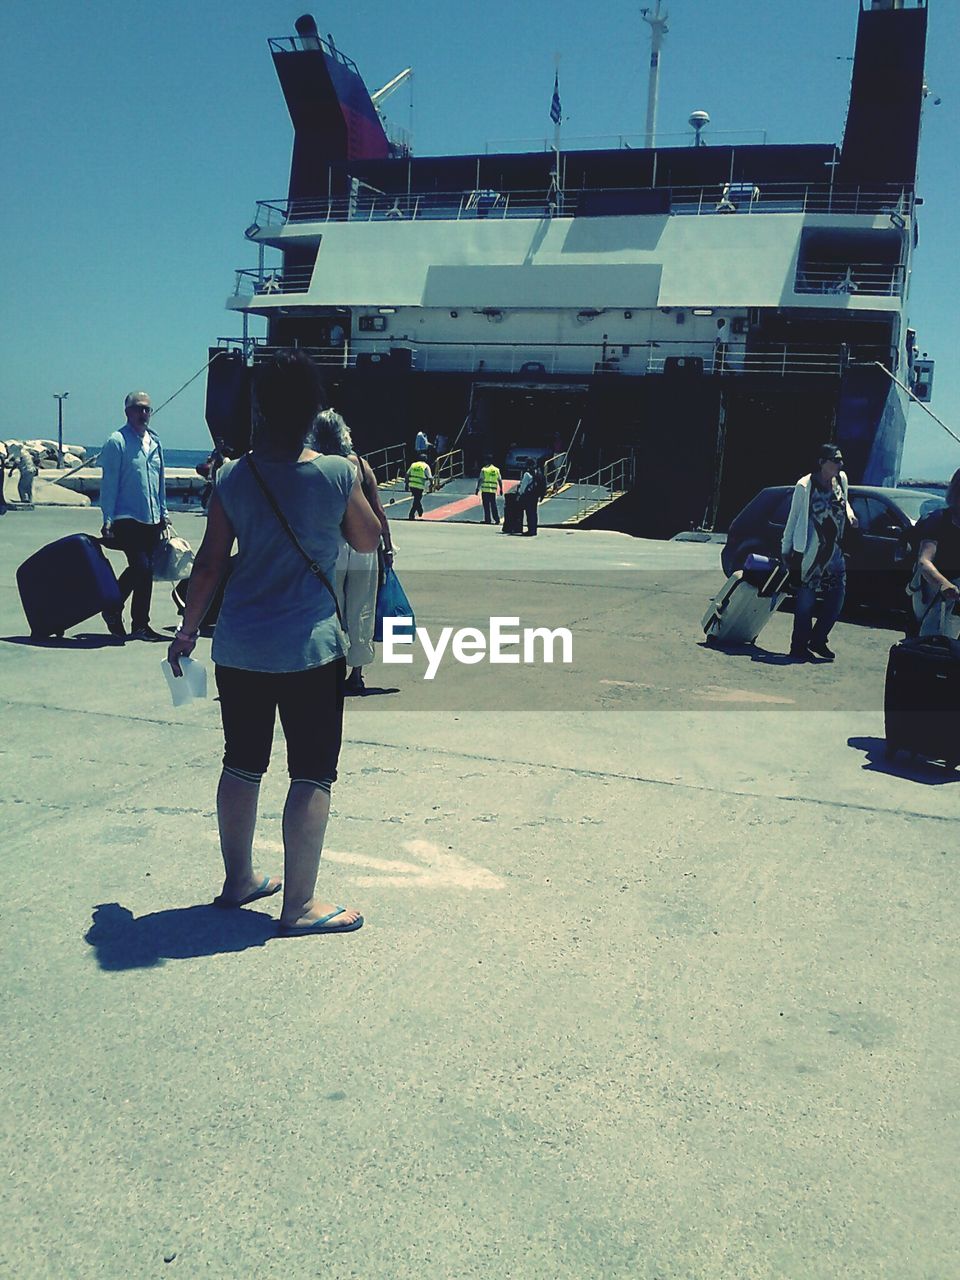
x: 555, y: 104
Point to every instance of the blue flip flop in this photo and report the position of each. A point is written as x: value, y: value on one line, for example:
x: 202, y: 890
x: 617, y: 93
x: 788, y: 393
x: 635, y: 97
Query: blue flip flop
x: 265, y: 891
x: 320, y: 926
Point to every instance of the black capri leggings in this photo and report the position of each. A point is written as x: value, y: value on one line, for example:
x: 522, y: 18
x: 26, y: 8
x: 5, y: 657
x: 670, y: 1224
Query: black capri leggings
x: 311, y: 713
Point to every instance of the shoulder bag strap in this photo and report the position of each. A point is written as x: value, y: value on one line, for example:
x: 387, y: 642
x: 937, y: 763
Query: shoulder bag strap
x: 311, y: 564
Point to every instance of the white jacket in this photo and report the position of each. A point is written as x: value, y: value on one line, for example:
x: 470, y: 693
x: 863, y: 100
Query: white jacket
x: 799, y: 533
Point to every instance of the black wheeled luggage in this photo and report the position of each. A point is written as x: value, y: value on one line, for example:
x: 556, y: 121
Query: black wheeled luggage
x: 921, y: 702
x: 512, y: 513
x: 65, y: 583
x: 749, y: 599
x: 179, y: 596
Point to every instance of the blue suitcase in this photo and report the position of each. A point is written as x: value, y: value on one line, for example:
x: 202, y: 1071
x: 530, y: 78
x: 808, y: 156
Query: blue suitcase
x: 65, y: 583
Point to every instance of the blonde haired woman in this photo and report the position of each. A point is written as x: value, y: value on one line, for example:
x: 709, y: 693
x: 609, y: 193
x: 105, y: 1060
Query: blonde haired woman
x: 357, y: 572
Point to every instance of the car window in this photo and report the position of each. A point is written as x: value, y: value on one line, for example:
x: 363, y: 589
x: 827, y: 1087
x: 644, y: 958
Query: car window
x: 862, y: 509
x: 885, y: 521
x: 928, y: 507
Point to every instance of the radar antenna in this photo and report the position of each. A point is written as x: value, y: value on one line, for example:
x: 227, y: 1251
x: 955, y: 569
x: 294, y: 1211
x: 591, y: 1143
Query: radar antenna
x: 698, y: 121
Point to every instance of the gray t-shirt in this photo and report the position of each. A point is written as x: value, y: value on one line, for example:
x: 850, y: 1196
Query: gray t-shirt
x: 276, y: 615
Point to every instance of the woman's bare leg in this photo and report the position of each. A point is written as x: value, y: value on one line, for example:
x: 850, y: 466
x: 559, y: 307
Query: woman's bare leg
x: 305, y: 817
x: 237, y: 819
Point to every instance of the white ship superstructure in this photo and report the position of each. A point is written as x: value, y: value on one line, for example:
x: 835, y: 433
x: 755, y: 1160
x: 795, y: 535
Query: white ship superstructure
x: 740, y: 302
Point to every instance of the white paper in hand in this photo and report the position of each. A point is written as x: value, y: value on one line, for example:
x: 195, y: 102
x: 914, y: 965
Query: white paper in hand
x: 192, y: 684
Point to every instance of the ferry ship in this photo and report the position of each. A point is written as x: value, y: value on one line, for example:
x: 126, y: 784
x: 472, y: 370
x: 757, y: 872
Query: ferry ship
x: 690, y: 319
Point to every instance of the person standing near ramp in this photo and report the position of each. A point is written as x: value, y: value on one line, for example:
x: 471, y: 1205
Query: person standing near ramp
x: 489, y: 483
x: 419, y: 476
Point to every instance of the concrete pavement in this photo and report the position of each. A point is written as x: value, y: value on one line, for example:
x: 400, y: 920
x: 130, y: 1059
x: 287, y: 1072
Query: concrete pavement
x: 658, y: 978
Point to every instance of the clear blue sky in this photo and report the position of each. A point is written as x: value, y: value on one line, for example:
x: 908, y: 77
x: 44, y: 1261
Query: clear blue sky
x: 137, y: 138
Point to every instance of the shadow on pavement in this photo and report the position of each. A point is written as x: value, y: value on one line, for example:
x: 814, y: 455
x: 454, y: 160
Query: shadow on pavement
x: 752, y: 651
x: 83, y: 640
x: 901, y: 765
x: 124, y: 941
x: 371, y: 691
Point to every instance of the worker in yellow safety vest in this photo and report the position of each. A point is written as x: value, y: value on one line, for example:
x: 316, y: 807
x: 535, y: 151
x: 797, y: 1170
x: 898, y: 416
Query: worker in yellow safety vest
x: 419, y: 476
x: 489, y: 482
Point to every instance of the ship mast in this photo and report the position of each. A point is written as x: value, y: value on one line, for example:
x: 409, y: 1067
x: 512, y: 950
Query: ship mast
x: 657, y: 23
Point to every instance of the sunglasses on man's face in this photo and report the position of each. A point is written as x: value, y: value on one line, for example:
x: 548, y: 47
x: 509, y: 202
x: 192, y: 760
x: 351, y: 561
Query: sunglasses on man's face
x: 141, y: 408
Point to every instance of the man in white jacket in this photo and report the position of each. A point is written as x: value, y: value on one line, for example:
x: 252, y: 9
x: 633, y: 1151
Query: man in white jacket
x: 812, y: 548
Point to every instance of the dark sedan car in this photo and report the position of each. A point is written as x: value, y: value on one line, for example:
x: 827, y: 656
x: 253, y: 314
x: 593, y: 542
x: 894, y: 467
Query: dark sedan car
x: 881, y: 551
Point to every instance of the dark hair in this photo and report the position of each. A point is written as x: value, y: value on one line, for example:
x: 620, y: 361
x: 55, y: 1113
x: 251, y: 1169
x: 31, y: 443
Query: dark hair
x: 829, y: 453
x: 953, y: 488
x: 289, y: 394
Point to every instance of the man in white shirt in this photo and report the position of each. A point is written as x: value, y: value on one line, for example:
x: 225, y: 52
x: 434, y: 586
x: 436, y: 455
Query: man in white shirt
x: 134, y: 505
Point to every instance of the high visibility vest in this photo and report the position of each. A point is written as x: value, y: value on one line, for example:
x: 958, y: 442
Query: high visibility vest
x: 489, y: 479
x: 417, y: 475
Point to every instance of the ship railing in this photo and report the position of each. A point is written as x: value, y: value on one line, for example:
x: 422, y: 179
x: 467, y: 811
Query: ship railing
x: 574, y: 359
x: 600, y: 487
x: 254, y: 282
x: 744, y: 197
x: 449, y: 466
x: 555, y: 470
x: 876, y: 279
x: 725, y: 359
x: 309, y: 44
x: 389, y: 464
x: 338, y: 357
x: 623, y: 141
x: 722, y: 198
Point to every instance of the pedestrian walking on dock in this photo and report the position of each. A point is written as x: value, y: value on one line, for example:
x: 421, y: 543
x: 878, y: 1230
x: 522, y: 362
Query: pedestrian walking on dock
x: 27, y: 466
x: 531, y: 489
x: 419, y: 477
x: 489, y: 484
x: 357, y: 572
x: 133, y: 500
x: 812, y: 547
x: 939, y: 565
x: 279, y: 646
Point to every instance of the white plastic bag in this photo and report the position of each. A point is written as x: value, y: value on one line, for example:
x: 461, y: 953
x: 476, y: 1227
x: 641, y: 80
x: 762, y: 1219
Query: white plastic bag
x: 192, y: 684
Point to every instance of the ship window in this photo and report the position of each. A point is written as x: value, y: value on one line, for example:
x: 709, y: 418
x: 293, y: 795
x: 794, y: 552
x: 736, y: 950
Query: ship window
x: 372, y: 324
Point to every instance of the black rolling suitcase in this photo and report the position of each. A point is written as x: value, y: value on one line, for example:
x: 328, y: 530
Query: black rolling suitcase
x: 922, y: 698
x: 512, y: 513
x: 66, y: 583
x: 179, y: 596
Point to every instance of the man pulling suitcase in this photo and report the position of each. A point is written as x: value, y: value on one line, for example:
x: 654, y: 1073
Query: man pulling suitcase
x: 134, y: 505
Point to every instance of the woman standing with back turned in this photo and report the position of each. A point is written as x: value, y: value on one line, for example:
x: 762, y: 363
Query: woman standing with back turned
x: 278, y: 645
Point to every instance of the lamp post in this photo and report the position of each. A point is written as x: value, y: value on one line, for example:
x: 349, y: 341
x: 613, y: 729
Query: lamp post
x: 60, y: 397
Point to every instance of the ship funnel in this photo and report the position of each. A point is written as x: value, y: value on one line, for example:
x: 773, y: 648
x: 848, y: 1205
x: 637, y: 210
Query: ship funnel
x: 306, y: 28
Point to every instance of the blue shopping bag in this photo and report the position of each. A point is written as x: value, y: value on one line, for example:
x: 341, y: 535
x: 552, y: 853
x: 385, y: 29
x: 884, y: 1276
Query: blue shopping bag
x: 392, y: 602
